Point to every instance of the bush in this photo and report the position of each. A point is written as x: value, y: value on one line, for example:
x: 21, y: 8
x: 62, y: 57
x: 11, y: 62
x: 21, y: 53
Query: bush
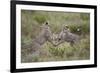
x: 30, y: 28
x: 83, y: 28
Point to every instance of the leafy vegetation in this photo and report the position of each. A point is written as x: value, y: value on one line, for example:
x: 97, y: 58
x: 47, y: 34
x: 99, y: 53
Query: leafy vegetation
x: 30, y: 28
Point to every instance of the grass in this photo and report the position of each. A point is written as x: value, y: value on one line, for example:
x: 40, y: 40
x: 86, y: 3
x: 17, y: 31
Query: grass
x: 63, y: 52
x: 30, y: 28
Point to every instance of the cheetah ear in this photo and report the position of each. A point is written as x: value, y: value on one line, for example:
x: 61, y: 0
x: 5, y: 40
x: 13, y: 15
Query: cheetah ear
x: 46, y: 23
x: 66, y: 26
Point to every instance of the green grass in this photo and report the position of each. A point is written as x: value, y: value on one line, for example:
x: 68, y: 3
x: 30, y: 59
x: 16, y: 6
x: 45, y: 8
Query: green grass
x: 30, y: 28
x: 63, y: 52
